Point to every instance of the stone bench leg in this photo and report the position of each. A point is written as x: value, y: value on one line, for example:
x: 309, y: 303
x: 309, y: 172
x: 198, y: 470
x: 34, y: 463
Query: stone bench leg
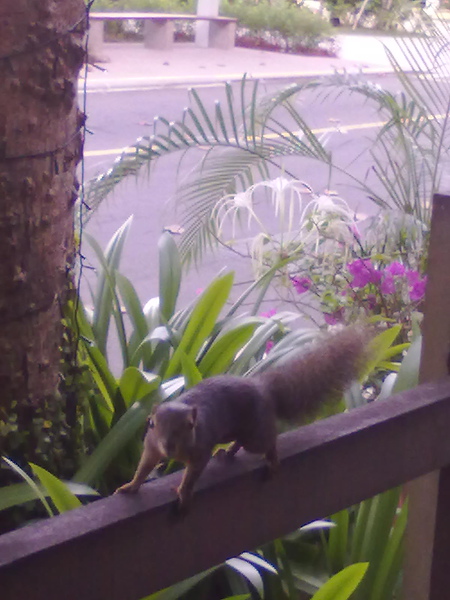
x: 158, y: 35
x: 222, y: 35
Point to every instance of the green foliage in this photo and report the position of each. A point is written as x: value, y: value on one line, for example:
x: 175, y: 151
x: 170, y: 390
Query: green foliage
x: 120, y: 29
x: 62, y: 497
x: 344, y: 10
x: 48, y: 432
x: 294, y: 23
x: 248, y: 133
x: 162, y: 349
x: 206, y: 338
x: 342, y: 585
x: 62, y: 494
x: 166, y: 6
x: 375, y: 14
x: 374, y: 530
x: 238, y: 152
x: 371, y: 532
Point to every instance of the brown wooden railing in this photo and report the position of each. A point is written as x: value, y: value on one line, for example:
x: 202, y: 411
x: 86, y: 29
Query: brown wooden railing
x: 123, y: 548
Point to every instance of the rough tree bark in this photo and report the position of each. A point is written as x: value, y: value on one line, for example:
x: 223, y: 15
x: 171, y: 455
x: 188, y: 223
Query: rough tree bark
x: 41, y: 53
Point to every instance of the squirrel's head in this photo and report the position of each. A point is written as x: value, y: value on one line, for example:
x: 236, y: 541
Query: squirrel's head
x: 173, y: 425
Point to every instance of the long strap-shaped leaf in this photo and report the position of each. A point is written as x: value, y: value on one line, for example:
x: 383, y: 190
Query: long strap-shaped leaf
x: 201, y: 322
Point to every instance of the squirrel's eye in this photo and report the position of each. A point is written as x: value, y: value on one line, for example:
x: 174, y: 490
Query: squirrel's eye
x: 151, y: 423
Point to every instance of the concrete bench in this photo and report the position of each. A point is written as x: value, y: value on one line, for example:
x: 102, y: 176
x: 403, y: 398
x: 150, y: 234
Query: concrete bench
x: 159, y: 29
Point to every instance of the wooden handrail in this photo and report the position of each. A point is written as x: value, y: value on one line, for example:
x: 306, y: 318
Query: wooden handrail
x: 123, y: 548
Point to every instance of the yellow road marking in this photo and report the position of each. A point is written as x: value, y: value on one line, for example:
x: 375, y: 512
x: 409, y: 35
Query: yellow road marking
x: 338, y: 127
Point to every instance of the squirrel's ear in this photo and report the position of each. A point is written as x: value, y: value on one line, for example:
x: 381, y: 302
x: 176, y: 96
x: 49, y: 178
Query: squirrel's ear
x: 150, y: 422
x: 193, y: 416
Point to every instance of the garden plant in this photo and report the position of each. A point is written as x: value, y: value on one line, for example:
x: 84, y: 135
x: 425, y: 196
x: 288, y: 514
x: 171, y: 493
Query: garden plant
x: 163, y: 351
x: 279, y: 25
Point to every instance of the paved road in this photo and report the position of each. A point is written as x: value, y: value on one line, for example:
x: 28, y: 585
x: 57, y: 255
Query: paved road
x: 116, y: 119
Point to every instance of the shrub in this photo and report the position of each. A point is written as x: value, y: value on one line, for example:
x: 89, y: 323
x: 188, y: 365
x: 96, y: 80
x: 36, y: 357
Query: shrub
x: 280, y: 19
x: 167, y: 6
x: 375, y: 14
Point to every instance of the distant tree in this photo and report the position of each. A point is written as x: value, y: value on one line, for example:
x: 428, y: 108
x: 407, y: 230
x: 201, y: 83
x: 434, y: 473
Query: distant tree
x: 41, y: 53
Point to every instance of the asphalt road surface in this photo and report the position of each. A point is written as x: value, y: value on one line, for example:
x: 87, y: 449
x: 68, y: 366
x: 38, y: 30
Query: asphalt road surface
x: 117, y: 119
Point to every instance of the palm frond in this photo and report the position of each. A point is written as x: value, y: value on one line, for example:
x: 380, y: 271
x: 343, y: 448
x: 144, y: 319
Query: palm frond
x: 239, y: 144
x: 248, y: 133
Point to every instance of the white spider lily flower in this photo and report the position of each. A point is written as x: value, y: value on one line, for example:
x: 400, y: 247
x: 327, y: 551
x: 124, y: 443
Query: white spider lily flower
x: 327, y: 204
x: 284, y: 194
x: 332, y: 218
x: 234, y: 205
x: 286, y: 197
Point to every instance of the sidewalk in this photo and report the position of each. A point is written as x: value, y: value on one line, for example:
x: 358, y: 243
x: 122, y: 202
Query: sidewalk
x: 131, y: 66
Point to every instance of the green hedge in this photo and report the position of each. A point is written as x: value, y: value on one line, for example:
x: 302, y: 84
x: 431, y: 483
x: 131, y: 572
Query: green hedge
x: 167, y: 6
x: 293, y: 23
x: 279, y: 23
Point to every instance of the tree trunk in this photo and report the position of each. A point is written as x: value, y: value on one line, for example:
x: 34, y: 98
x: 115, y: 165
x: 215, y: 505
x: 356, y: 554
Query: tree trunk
x: 41, y: 53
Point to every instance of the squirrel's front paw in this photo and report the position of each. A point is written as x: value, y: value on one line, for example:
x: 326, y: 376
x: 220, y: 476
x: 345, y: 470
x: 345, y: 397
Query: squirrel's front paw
x: 183, y: 503
x: 228, y: 453
x: 221, y: 454
x: 128, y: 488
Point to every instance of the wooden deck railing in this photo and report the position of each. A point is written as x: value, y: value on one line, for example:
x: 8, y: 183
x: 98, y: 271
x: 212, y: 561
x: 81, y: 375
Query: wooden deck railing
x: 123, y: 548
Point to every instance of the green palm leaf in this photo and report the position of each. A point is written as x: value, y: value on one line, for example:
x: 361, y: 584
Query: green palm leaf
x: 239, y: 145
x: 248, y: 132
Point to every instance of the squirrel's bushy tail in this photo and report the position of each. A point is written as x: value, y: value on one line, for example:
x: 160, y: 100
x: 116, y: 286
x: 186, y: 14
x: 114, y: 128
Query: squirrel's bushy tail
x: 301, y: 385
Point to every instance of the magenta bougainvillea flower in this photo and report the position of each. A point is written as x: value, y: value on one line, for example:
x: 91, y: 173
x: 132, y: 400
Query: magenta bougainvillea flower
x: 395, y: 268
x: 417, y: 285
x: 417, y: 291
x: 301, y: 284
x: 269, y: 345
x: 269, y: 313
x: 364, y: 272
x: 390, y: 274
x: 387, y: 283
x: 412, y: 276
x: 335, y: 317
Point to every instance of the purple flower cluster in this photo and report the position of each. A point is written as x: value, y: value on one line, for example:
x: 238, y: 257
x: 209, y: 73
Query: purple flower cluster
x: 335, y: 317
x: 364, y: 272
x: 301, y: 284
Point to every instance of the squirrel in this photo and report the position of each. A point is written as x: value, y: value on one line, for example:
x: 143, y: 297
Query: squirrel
x: 245, y: 410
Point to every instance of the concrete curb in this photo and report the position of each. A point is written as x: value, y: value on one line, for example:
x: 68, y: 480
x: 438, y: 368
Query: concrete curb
x: 98, y: 85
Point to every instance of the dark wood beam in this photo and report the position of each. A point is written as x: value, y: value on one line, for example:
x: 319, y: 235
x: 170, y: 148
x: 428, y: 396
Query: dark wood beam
x: 123, y: 548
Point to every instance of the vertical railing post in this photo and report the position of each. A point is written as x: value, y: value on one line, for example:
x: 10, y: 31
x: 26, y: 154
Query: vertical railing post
x: 428, y: 533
